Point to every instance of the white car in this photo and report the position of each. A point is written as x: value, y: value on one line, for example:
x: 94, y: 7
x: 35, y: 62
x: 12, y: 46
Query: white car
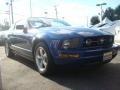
x: 117, y: 37
x: 111, y: 27
x: 2, y: 36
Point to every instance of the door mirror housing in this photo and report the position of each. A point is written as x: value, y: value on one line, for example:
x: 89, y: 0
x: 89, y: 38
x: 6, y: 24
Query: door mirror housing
x: 20, y: 27
x: 25, y: 30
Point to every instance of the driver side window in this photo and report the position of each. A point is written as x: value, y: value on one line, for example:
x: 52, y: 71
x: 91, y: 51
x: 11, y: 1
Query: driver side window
x: 20, y: 25
x: 37, y: 24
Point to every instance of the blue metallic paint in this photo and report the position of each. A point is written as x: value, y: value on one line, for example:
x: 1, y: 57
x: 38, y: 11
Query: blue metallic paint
x: 53, y: 38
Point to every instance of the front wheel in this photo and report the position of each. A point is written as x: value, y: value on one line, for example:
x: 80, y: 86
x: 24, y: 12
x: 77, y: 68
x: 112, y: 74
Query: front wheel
x: 8, y: 51
x: 43, y: 59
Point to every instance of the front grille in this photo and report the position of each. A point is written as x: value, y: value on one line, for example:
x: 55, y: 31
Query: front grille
x: 98, y: 41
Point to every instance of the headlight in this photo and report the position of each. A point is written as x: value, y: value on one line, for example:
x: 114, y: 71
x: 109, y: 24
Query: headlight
x: 66, y: 44
x: 71, y: 43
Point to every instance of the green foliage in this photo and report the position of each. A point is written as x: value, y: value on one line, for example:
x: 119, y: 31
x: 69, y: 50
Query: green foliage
x: 112, y: 14
x: 6, y: 26
x: 94, y: 20
x: 117, y: 12
x: 109, y: 13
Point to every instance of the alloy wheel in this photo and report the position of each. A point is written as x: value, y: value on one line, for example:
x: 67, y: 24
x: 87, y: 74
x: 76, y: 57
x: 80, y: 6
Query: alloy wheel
x: 41, y: 59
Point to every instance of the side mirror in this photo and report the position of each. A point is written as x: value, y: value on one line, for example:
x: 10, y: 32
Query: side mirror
x: 25, y: 30
x: 20, y: 27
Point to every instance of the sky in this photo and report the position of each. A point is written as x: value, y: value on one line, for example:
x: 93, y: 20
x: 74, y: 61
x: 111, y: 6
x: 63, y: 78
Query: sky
x: 76, y: 12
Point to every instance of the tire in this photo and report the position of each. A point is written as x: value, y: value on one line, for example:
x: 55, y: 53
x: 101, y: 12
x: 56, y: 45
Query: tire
x: 8, y: 51
x: 43, y: 59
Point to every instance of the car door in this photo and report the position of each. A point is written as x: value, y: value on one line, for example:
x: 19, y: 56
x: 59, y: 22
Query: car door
x: 28, y: 35
x: 24, y: 38
x: 19, y: 38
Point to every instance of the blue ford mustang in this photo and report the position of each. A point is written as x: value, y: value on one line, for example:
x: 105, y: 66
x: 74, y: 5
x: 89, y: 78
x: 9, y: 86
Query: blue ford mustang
x: 51, y: 42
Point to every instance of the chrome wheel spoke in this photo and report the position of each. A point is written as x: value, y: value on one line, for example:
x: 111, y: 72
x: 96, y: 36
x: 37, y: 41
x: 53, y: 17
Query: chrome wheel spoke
x: 38, y: 57
x: 41, y: 52
x: 44, y: 55
x: 44, y: 63
x: 41, y: 65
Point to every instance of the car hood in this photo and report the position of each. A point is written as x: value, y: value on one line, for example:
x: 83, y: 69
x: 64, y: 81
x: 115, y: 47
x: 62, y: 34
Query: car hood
x: 75, y: 31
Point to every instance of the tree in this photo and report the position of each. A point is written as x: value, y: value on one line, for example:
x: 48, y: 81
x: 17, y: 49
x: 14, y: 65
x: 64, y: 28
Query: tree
x: 117, y: 12
x: 4, y: 26
x: 95, y: 20
x: 109, y: 13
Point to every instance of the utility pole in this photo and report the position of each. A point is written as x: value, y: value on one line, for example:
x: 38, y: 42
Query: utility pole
x: 10, y: 4
x: 12, y: 17
x: 30, y: 9
x: 8, y: 12
x: 101, y: 13
x: 87, y: 21
x: 56, y: 11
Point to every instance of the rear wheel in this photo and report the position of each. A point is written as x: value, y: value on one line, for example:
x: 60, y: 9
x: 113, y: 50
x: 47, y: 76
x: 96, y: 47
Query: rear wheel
x: 43, y: 59
x: 8, y: 51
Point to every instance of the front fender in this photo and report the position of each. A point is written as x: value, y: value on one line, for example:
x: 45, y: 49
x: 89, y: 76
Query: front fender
x: 50, y: 43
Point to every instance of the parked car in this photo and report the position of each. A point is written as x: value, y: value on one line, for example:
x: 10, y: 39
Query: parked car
x: 117, y: 36
x: 50, y: 42
x: 2, y: 36
x: 108, y: 27
x: 111, y: 27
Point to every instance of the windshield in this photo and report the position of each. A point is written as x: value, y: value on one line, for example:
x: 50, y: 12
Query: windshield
x: 38, y: 23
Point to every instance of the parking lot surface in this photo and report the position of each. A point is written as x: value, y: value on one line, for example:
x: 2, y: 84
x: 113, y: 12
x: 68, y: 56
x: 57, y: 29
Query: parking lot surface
x: 18, y: 73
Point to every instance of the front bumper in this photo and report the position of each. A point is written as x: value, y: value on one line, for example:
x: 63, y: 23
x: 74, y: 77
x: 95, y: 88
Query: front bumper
x: 88, y: 56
